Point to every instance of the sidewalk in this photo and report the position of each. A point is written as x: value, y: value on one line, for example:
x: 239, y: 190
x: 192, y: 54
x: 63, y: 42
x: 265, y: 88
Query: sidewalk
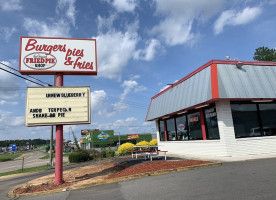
x: 223, y: 159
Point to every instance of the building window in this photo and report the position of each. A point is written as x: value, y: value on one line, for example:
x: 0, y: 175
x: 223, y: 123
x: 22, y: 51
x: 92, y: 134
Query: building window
x: 182, y: 128
x: 195, y: 126
x: 161, y: 130
x: 171, y: 132
x: 268, y: 118
x: 211, y: 124
x: 245, y: 119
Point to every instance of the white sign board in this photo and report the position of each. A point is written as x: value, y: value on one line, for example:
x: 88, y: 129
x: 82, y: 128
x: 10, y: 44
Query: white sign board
x: 57, y: 105
x: 48, y: 56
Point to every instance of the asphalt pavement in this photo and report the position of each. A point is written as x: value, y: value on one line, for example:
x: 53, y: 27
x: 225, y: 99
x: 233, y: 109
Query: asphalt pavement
x: 250, y: 180
x: 31, y: 159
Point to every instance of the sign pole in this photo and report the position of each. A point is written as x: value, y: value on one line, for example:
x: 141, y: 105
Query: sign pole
x: 52, y: 133
x: 59, y: 142
x: 22, y: 161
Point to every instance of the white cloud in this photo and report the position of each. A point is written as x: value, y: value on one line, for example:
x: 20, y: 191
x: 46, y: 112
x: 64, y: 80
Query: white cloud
x: 11, y: 5
x: 131, y: 119
x: 272, y: 2
x: 129, y: 86
x: 67, y: 8
x: 149, y: 53
x: 115, y: 49
x: 179, y: 31
x: 7, y: 32
x: 166, y: 86
x: 116, y: 108
x: 133, y: 77
x: 232, y: 18
x: 163, y: 88
x: 58, y: 28
x: 179, y: 15
x: 9, y: 119
x: 127, y: 122
x: 98, y: 101
x: 105, y: 24
x: 100, y: 107
x: 149, y: 124
x: 123, y: 5
x: 9, y: 84
x: 12, y: 103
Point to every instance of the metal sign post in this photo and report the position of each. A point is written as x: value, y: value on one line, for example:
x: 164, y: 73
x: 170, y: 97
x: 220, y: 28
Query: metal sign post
x: 23, y: 161
x: 59, y: 142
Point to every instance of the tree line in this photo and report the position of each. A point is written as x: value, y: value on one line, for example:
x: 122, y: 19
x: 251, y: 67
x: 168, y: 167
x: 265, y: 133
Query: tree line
x: 34, y: 142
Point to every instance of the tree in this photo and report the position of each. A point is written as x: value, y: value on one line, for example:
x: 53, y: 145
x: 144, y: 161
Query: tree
x: 265, y: 54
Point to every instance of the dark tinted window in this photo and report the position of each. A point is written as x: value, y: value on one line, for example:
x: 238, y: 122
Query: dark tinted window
x: 195, y: 126
x: 211, y: 125
x: 171, y: 132
x: 181, y: 128
x: 268, y: 118
x: 161, y: 130
x: 245, y: 119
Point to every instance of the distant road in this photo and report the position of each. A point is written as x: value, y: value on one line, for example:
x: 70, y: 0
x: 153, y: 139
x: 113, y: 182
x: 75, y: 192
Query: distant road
x: 31, y: 159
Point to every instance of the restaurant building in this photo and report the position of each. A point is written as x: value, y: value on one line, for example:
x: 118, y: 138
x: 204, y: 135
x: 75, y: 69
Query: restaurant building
x: 224, y: 108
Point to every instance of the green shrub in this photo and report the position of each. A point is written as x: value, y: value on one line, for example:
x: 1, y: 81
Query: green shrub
x: 47, y: 148
x: 79, y: 156
x: 103, y: 154
x: 94, y: 154
x: 110, y: 153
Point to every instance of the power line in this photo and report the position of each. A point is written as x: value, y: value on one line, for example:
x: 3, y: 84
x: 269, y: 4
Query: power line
x: 21, y: 77
x: 25, y: 75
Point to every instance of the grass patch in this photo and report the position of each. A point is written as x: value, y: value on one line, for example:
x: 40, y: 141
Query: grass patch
x: 31, y: 169
x: 48, y: 156
x: 8, y: 157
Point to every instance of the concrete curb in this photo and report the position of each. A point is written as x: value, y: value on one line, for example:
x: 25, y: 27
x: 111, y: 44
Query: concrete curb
x: 114, y: 180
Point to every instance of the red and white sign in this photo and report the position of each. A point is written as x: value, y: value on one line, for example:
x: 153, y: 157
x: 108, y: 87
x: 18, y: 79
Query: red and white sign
x: 48, y: 56
x: 133, y: 137
x: 181, y: 127
x: 194, y: 119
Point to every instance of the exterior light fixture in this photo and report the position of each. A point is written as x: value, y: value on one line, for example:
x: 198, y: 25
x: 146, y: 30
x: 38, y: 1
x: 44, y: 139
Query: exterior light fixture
x: 239, y: 64
x: 166, y: 117
x: 182, y: 112
x: 262, y: 101
x: 202, y: 106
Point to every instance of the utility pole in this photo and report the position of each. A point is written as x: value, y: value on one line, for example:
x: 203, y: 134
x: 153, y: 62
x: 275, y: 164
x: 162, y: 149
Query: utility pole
x: 52, y: 133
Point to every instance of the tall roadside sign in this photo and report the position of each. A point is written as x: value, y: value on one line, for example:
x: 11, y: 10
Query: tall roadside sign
x: 49, y: 56
x: 58, y: 105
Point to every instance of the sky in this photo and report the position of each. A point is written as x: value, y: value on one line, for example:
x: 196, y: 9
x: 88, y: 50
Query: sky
x: 142, y: 45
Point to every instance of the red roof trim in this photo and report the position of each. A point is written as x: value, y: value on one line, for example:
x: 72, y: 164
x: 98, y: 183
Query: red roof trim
x: 214, y: 81
x: 233, y: 62
x: 148, y: 111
